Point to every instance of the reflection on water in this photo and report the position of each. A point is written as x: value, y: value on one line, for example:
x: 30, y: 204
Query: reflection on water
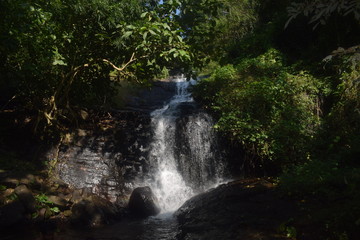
x: 163, y: 226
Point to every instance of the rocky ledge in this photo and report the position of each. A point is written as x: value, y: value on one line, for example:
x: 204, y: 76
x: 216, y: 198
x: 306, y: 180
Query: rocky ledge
x: 245, y: 209
x: 46, y: 205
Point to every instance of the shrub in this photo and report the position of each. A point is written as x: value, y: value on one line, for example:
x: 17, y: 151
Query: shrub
x: 268, y: 107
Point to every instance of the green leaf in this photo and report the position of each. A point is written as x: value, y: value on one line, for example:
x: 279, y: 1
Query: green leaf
x: 145, y: 35
x: 127, y: 34
x: 166, y: 26
x: 131, y: 27
x: 55, y: 209
x: 182, y: 52
x: 34, y: 215
x: 152, y: 32
x: 59, y: 62
x: 150, y: 63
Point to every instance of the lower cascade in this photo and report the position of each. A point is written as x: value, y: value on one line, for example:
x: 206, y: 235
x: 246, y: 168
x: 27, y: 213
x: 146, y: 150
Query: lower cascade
x: 183, y: 157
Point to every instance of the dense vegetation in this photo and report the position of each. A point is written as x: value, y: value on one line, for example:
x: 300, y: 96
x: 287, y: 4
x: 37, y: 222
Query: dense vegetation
x: 283, y: 79
x: 286, y: 89
x: 59, y: 56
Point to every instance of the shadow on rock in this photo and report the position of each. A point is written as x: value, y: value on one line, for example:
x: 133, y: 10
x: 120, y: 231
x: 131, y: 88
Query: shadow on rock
x: 246, y: 209
x: 143, y: 202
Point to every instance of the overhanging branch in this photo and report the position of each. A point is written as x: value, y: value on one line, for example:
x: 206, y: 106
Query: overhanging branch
x: 132, y: 59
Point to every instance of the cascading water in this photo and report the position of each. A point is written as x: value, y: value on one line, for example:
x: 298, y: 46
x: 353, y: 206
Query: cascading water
x: 183, y: 160
x: 182, y: 155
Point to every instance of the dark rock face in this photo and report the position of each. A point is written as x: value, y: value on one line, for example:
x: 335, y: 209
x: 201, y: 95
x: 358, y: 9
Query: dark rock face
x: 143, y: 203
x: 239, y: 210
x: 106, y: 160
x: 152, y: 98
x: 188, y: 108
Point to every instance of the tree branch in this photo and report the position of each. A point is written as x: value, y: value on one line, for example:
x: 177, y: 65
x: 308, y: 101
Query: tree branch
x: 132, y: 59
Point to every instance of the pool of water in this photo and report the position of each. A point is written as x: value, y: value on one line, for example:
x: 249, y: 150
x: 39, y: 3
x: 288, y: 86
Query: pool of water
x: 163, y: 226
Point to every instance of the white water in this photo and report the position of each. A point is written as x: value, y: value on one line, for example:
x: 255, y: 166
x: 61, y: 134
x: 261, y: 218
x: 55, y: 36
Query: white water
x: 172, y: 186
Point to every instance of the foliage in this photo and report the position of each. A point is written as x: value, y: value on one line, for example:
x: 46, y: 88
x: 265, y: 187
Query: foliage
x: 343, y: 121
x: 43, y: 201
x: 198, y: 20
x: 237, y: 20
x: 247, y: 28
x: 320, y: 10
x: 262, y: 103
x: 329, y: 194
x: 268, y: 88
x: 57, y: 56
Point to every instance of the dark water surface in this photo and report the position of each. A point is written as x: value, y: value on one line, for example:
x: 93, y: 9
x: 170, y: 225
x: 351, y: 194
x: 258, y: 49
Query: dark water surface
x: 164, y: 226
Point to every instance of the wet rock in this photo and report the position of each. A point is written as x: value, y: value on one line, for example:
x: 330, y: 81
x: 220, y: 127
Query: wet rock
x: 76, y: 196
x: 12, y: 213
x: 67, y: 197
x: 10, y: 182
x: 93, y: 212
x: 104, y: 160
x: 57, y: 185
x: 59, y: 202
x: 5, y: 196
x: 238, y: 210
x: 44, y: 213
x: 67, y: 213
x: 7, y: 192
x: 28, y: 180
x: 143, y: 202
x: 187, y: 108
x: 26, y: 197
x: 38, y: 184
x: 150, y: 99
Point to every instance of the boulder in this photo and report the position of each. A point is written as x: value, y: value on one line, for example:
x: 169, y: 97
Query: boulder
x: 246, y: 209
x: 143, y: 202
x: 93, y: 212
x: 26, y: 197
x: 59, y: 202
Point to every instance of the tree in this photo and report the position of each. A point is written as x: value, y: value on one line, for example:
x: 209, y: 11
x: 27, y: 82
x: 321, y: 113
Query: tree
x: 198, y: 20
x: 320, y: 10
x: 58, y: 54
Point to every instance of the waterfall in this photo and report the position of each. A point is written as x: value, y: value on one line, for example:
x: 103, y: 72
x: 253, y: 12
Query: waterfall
x: 182, y: 157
